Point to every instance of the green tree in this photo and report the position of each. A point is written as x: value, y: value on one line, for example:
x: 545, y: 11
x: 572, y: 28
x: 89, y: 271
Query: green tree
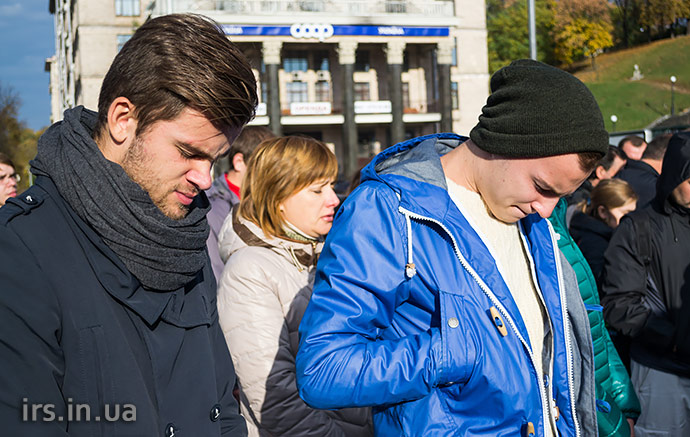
x: 508, y: 31
x: 583, y: 29
x: 626, y: 20
x: 660, y: 16
x: 16, y: 140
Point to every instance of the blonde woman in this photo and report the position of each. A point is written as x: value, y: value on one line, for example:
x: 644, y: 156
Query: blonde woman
x: 592, y: 229
x: 271, y: 243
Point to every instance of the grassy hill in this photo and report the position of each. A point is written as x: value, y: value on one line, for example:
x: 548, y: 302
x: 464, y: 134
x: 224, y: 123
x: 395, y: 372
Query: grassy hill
x: 639, y: 103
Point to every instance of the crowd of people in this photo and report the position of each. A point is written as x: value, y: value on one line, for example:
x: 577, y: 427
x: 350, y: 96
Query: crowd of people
x: 527, y: 279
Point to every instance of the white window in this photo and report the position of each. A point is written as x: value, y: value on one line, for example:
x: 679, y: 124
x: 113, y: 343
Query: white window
x: 127, y: 8
x: 121, y: 40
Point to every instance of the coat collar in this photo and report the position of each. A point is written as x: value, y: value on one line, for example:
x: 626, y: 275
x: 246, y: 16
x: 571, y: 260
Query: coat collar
x: 302, y: 254
x: 184, y: 307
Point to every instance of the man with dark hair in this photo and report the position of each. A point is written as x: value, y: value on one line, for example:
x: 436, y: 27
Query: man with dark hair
x: 633, y: 147
x: 8, y: 179
x: 225, y: 190
x: 108, y: 322
x: 643, y: 174
x: 441, y: 297
x: 606, y: 168
x: 646, y: 296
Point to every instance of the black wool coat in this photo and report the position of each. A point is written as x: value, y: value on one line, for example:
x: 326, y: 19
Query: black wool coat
x: 658, y: 323
x: 102, y: 355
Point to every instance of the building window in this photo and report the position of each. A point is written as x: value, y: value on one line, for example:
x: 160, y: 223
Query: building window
x: 362, y: 91
x: 294, y: 61
x: 127, y: 8
x: 362, y: 62
x: 323, y: 91
x: 297, y: 92
x: 454, y: 53
x: 396, y: 6
x: 121, y: 40
x: 320, y: 60
x: 454, y: 95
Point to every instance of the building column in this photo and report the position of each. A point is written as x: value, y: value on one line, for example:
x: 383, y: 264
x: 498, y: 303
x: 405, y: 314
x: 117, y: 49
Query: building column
x: 445, y: 59
x: 346, y: 58
x: 394, y: 55
x: 271, y: 55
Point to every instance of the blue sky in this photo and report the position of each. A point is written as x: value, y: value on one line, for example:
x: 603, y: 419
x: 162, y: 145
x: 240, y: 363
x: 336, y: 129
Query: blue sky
x: 28, y: 38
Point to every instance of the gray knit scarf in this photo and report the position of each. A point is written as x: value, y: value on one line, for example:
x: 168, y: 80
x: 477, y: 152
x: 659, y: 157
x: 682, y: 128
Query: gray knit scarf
x: 162, y: 253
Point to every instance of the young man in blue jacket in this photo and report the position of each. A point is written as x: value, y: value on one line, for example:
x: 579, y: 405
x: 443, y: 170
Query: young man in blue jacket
x: 108, y: 321
x: 441, y: 298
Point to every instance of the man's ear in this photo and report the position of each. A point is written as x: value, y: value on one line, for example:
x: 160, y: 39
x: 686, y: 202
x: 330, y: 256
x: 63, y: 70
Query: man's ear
x: 600, y: 173
x: 122, y: 124
x: 238, y: 163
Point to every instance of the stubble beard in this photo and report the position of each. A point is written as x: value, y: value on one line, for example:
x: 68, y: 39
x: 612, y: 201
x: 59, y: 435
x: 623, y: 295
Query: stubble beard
x: 134, y: 164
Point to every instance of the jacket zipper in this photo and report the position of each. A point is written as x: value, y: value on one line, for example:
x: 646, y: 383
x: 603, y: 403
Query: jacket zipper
x: 566, y: 332
x: 548, y: 319
x: 494, y: 300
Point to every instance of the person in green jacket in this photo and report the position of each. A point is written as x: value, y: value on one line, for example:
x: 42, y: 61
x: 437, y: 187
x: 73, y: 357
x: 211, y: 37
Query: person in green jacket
x: 617, y: 403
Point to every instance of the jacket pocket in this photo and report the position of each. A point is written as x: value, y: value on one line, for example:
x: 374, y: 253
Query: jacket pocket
x: 459, y: 345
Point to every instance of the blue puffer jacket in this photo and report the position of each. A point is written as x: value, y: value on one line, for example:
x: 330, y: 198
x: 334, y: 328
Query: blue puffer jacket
x: 410, y: 314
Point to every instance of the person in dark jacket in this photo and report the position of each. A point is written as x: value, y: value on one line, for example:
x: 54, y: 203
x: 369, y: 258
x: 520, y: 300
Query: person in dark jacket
x: 608, y: 167
x: 224, y: 193
x: 646, y: 296
x: 643, y: 174
x: 633, y: 147
x: 8, y: 179
x: 593, y: 226
x: 108, y: 321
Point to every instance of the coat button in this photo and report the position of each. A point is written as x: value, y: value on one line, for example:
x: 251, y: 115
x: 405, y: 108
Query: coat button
x: 30, y: 200
x: 498, y: 321
x: 529, y: 430
x: 215, y: 412
x: 453, y: 322
x: 170, y: 430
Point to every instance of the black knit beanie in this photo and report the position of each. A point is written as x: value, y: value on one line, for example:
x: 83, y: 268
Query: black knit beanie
x: 536, y: 110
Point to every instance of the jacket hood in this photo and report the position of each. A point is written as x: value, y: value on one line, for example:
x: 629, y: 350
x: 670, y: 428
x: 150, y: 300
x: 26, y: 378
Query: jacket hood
x: 219, y: 189
x: 238, y: 233
x: 417, y: 159
x: 583, y: 223
x: 675, y: 169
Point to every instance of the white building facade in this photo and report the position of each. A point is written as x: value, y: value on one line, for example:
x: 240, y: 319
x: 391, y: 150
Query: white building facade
x: 357, y: 74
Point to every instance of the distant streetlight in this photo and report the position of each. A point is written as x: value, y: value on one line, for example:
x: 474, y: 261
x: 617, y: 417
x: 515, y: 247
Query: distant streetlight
x: 673, y: 107
x: 614, y: 119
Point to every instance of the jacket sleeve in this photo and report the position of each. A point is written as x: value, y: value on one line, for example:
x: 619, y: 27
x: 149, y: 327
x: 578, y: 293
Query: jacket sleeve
x: 32, y: 366
x: 624, y: 291
x: 253, y: 323
x: 343, y: 361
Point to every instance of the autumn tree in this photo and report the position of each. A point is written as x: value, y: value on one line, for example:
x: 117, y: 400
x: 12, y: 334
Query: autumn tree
x: 582, y: 29
x: 508, y: 31
x: 16, y: 140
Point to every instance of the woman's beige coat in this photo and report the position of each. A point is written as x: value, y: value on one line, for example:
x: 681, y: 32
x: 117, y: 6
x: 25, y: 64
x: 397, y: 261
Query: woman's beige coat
x: 262, y: 295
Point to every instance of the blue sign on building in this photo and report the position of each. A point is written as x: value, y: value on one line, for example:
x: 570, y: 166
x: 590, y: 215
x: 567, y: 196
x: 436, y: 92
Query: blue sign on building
x: 322, y: 31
